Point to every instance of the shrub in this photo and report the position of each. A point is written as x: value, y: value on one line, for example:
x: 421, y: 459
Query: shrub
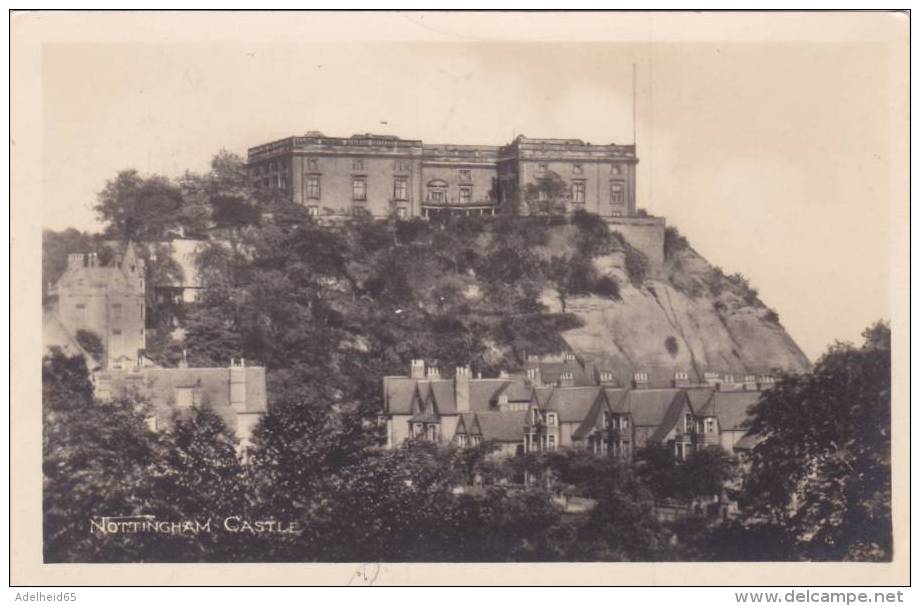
x: 607, y: 286
x: 636, y: 265
x: 771, y: 316
x: 673, y: 242
x: 91, y: 342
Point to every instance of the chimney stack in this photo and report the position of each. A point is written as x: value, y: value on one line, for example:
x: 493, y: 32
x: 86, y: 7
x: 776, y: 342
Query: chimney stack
x: 417, y: 369
x: 606, y: 377
x: 462, y: 388
x: 535, y: 377
x: 566, y: 379
x: 681, y: 379
x: 750, y: 383
x: 712, y: 379
x: 432, y: 372
x: 183, y: 363
x: 640, y: 380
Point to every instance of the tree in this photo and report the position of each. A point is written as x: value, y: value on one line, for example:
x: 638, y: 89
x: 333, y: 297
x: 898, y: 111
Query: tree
x: 549, y: 195
x: 91, y: 342
x: 96, y: 461
x: 822, y: 471
x: 139, y: 208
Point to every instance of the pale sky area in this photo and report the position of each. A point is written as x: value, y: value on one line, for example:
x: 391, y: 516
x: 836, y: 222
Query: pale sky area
x: 773, y: 159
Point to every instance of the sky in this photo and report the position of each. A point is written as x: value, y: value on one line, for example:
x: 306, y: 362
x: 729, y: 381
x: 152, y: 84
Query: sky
x: 773, y: 158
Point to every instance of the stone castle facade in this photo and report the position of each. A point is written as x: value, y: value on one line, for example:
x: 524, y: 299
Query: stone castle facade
x: 386, y: 176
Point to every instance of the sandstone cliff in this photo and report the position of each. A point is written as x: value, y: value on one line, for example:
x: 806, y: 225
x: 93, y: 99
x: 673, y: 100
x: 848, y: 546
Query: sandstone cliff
x: 695, y: 319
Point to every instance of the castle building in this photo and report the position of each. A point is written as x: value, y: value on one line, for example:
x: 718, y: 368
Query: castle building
x: 384, y: 175
x: 106, y: 300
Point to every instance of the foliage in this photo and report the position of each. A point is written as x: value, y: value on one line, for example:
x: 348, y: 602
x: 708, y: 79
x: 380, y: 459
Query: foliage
x: 674, y: 242
x: 822, y: 471
x: 91, y: 342
x: 549, y: 195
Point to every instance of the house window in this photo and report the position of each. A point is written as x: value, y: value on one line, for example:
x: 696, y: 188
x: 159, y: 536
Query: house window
x: 116, y: 311
x: 624, y: 423
x: 400, y: 188
x: 312, y: 164
x: 606, y: 420
x: 552, y: 442
x: 688, y: 423
x: 357, y: 164
x: 710, y: 425
x: 466, y: 175
x: 475, y: 440
x: 578, y: 169
x: 466, y: 195
x: 617, y: 192
x: 313, y: 211
x: 536, y: 416
x: 551, y: 419
x: 313, y: 187
x: 359, y: 188
x: 578, y: 192
x: 461, y: 440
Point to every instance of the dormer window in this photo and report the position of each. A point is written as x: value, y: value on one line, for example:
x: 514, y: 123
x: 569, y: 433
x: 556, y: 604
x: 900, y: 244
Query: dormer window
x: 607, y: 423
x: 552, y: 419
x: 710, y: 425
x: 624, y: 422
x: 688, y: 423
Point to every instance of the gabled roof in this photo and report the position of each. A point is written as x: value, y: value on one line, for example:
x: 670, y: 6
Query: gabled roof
x: 541, y: 395
x: 701, y: 401
x: 484, y: 393
x: 650, y: 406
x: 502, y: 426
x: 516, y: 390
x: 617, y: 399
x: 572, y: 403
x: 675, y: 410
x: 594, y: 420
x: 731, y: 407
x: 55, y: 334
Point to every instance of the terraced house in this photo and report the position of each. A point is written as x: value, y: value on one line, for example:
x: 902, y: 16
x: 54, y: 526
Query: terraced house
x: 563, y: 402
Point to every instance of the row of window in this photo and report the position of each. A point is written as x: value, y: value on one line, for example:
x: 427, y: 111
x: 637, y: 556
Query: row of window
x: 603, y: 446
x: 463, y: 440
x: 313, y: 189
x: 314, y: 211
x: 116, y: 311
x: 617, y: 192
x: 539, y: 442
x: 579, y: 169
x: 552, y: 419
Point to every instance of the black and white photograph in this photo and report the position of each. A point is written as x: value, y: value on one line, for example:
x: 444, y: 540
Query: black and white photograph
x: 401, y: 288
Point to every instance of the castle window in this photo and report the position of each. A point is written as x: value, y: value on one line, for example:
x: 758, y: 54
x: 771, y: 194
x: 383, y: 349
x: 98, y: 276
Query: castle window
x: 312, y: 164
x: 617, y: 192
x: 357, y: 164
x: 466, y: 175
x: 616, y: 169
x: 578, y: 192
x: 437, y: 191
x: 116, y: 311
x: 466, y: 195
x: 359, y: 188
x: 577, y: 169
x: 400, y: 188
x: 314, y: 190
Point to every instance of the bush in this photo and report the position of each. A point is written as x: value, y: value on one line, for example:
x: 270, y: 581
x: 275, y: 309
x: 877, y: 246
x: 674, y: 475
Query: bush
x: 91, y: 342
x: 636, y: 265
x: 608, y: 287
x: 673, y: 242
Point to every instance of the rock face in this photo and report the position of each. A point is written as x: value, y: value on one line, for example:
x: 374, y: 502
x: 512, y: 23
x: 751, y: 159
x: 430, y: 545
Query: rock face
x: 694, y: 320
